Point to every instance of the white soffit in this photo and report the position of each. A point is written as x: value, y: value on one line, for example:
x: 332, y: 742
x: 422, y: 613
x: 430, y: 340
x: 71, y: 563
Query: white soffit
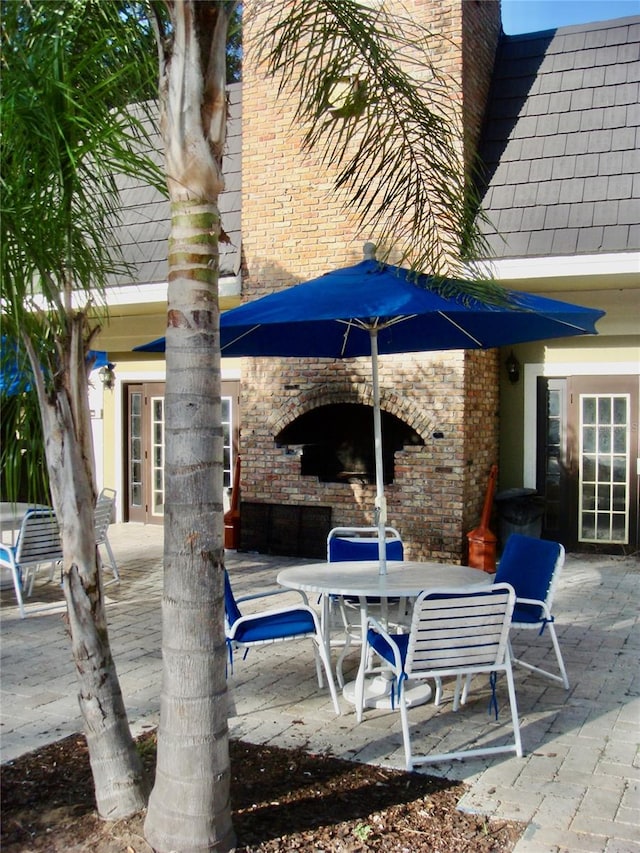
x: 575, y: 272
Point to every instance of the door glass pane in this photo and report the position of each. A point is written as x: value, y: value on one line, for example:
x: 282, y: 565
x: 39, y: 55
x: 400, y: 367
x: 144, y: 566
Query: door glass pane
x: 589, y: 439
x: 135, y: 450
x: 554, y: 441
x: 604, y: 468
x: 157, y: 456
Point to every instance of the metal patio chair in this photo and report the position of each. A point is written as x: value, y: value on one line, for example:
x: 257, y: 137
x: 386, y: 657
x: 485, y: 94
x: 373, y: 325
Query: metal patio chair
x: 346, y: 544
x: 273, y: 626
x: 103, y: 515
x: 37, y: 547
x: 532, y: 567
x: 452, y: 633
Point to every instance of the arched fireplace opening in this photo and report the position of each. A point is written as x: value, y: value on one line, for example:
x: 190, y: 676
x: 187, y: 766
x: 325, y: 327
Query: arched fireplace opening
x: 335, y: 443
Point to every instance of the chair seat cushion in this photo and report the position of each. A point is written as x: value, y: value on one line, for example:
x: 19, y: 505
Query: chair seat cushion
x: 382, y: 647
x: 275, y: 626
x: 530, y: 614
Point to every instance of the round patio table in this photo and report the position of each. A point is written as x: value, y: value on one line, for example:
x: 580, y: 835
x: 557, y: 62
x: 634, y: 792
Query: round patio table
x: 362, y: 580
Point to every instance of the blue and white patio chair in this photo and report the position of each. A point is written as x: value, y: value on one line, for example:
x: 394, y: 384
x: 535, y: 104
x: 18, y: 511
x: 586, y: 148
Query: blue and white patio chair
x: 103, y: 515
x: 346, y: 544
x: 273, y: 626
x: 452, y: 633
x: 37, y: 547
x: 532, y: 567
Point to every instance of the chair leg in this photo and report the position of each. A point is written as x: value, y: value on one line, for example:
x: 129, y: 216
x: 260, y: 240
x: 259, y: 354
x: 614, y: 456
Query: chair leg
x: 556, y: 647
x: 457, y: 691
x: 316, y: 656
x: 112, y: 560
x: 465, y: 689
x: 17, y: 585
x: 322, y: 651
x: 438, y: 697
x: 406, y: 736
x: 514, y: 709
x: 340, y: 663
x: 562, y: 678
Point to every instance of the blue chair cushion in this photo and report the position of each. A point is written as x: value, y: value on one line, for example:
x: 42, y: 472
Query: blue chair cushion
x: 231, y: 608
x: 275, y: 626
x: 342, y: 550
x: 528, y: 565
x: 382, y: 647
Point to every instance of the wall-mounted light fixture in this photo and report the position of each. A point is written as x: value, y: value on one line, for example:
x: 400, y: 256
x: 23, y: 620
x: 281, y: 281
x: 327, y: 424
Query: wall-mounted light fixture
x: 513, y: 368
x: 107, y: 376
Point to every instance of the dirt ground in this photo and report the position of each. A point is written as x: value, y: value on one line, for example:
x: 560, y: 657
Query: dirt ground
x: 282, y: 800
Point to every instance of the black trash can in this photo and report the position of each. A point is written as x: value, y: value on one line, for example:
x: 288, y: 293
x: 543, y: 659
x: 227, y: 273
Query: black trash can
x: 519, y: 511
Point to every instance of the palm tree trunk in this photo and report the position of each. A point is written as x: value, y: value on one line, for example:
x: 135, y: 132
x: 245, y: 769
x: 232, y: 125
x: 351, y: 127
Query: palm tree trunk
x: 120, y: 784
x: 189, y: 807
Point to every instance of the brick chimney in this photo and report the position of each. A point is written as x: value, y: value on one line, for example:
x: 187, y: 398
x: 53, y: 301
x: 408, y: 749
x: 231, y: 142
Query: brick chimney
x: 294, y: 228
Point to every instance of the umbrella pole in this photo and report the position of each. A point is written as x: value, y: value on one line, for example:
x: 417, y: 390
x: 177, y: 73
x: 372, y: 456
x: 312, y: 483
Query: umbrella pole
x: 380, y: 504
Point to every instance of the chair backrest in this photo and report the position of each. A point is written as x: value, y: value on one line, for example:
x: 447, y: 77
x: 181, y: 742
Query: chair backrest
x: 39, y: 538
x: 453, y: 630
x: 361, y: 543
x: 231, y: 609
x: 532, y: 567
x: 102, y: 519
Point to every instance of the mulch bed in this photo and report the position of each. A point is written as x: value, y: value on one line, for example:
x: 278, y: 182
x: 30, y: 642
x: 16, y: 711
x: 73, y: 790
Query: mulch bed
x: 282, y: 800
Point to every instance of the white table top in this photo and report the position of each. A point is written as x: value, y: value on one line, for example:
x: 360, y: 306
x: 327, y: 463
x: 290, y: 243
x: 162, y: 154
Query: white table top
x: 13, y: 513
x: 362, y: 578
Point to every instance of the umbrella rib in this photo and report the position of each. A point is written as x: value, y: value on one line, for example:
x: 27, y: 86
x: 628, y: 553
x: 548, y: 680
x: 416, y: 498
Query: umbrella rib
x: 240, y: 337
x: 461, y: 329
x: 370, y: 325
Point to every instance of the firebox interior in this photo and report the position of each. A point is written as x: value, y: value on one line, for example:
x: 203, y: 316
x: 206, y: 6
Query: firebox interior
x: 336, y: 444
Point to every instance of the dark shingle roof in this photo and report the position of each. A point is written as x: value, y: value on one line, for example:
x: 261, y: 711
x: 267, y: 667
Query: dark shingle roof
x: 145, y: 221
x: 561, y: 144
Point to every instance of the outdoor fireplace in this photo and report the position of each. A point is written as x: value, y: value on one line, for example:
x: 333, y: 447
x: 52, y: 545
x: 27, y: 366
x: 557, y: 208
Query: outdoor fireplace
x: 336, y: 444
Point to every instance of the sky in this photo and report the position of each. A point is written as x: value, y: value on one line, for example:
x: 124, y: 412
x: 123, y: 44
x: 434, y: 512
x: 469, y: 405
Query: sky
x: 529, y: 16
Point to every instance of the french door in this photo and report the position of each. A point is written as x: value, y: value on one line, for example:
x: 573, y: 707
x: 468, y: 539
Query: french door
x: 587, y: 465
x: 144, y: 466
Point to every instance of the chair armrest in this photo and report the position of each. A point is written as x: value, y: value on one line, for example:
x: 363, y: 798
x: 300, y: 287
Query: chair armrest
x: 231, y: 630
x: 536, y: 603
x: 373, y: 623
x: 7, y: 555
x: 271, y: 592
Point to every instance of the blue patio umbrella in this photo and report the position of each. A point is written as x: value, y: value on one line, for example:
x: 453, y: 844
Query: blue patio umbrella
x: 15, y: 369
x: 372, y: 308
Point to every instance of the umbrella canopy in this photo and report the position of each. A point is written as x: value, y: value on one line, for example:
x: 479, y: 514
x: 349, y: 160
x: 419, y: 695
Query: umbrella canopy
x: 15, y: 370
x: 372, y: 308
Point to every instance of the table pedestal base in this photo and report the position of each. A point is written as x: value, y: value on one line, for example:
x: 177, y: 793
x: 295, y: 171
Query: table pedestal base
x: 377, y: 693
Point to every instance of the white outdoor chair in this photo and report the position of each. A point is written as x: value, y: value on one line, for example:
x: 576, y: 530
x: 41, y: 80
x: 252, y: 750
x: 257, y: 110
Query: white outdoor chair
x: 38, y: 547
x: 452, y: 633
x: 346, y: 544
x: 103, y: 515
x: 532, y: 567
x: 273, y: 626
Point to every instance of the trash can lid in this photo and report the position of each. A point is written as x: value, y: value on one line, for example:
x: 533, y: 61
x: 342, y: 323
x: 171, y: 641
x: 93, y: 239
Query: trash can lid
x: 511, y: 494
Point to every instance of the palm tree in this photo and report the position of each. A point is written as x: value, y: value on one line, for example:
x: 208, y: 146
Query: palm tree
x: 67, y: 70
x: 398, y: 161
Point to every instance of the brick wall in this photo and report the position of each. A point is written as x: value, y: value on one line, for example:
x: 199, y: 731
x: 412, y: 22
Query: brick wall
x: 294, y: 228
